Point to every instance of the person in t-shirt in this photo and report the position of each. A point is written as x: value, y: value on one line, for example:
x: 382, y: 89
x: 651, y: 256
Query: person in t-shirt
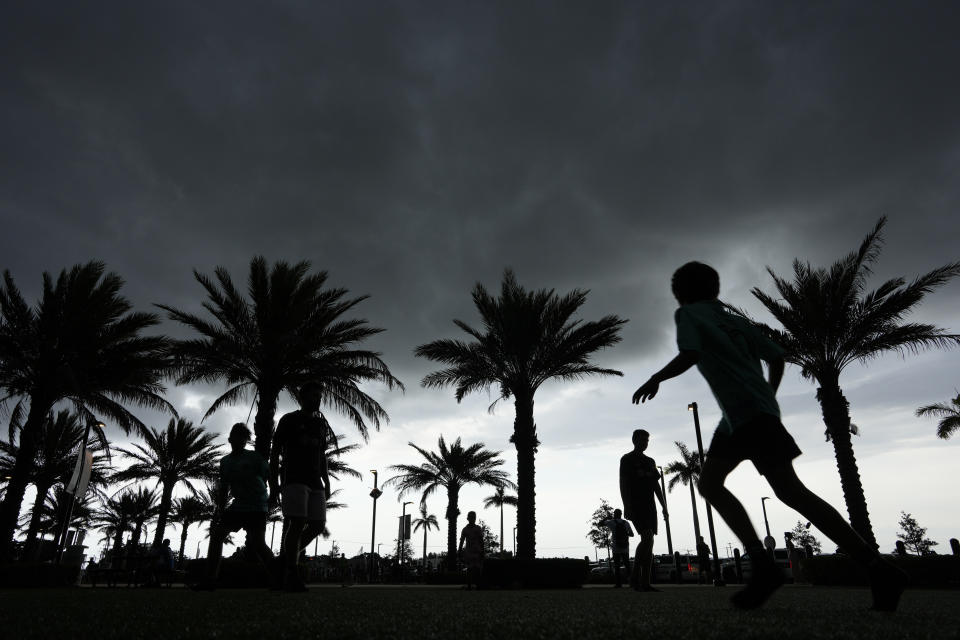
x: 621, y: 532
x: 728, y: 351
x: 298, y: 473
x: 639, y: 484
x: 243, y: 474
x: 703, y: 561
x: 471, y: 549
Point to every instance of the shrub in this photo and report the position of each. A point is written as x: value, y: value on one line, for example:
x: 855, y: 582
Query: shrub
x: 924, y: 571
x: 234, y: 573
x: 540, y: 573
x: 32, y: 574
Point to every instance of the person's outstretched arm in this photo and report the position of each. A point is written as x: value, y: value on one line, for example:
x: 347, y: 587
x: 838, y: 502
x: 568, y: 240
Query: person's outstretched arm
x: 677, y: 366
x: 775, y: 372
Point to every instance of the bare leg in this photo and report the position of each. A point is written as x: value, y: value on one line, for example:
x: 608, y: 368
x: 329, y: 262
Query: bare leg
x: 291, y: 553
x: 313, y: 529
x: 645, y: 558
x: 712, y: 479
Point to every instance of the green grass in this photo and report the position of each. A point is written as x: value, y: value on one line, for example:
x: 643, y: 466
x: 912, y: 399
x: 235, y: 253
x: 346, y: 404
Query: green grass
x: 450, y: 614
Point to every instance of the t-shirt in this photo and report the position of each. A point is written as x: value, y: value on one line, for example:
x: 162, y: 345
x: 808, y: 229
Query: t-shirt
x: 730, y: 350
x: 302, y: 442
x: 621, y: 531
x: 638, y: 479
x: 472, y: 537
x: 245, y: 472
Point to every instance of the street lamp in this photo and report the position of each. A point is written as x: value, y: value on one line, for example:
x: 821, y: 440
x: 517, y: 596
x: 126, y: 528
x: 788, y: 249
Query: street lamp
x: 666, y: 519
x: 76, y: 483
x: 400, y: 539
x: 766, y: 523
x: 514, y: 542
x: 376, y: 493
x: 717, y: 582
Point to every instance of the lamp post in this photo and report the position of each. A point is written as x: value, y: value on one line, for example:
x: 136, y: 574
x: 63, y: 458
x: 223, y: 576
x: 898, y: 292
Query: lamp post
x: 81, y: 463
x: 666, y: 519
x: 717, y: 582
x: 769, y: 542
x: 376, y: 493
x: 514, y: 542
x: 400, y: 539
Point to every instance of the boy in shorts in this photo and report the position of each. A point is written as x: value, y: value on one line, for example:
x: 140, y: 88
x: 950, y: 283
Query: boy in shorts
x: 728, y: 349
x: 621, y: 532
x: 299, y: 455
x: 243, y: 472
x: 638, y: 487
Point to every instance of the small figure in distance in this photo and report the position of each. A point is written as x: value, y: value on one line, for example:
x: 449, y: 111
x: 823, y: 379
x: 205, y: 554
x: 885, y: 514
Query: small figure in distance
x: 703, y: 561
x: 243, y: 475
x: 299, y: 456
x: 728, y: 351
x: 639, y: 483
x: 471, y: 549
x: 621, y: 532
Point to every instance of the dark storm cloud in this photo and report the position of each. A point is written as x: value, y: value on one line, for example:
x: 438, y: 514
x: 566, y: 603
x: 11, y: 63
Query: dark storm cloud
x: 413, y: 149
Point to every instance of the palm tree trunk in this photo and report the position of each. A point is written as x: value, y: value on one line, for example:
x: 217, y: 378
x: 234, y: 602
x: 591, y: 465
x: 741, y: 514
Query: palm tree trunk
x: 19, y: 478
x: 836, y: 416
x: 31, y: 545
x: 501, y: 527
x: 525, y: 440
x: 166, y: 498
x: 453, y: 510
x: 183, y: 542
x: 263, y: 423
x: 425, y: 547
x: 696, y: 518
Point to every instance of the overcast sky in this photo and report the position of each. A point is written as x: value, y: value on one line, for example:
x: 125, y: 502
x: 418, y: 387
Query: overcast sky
x: 414, y: 149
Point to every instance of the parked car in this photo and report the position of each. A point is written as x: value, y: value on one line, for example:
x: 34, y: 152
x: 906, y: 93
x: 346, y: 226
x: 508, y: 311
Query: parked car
x: 781, y: 557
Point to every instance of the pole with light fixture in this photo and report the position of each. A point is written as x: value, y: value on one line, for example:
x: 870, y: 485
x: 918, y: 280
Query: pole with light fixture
x: 376, y: 493
x: 666, y: 518
x: 717, y: 581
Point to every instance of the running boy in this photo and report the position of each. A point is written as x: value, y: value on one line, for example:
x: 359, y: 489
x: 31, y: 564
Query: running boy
x: 728, y: 350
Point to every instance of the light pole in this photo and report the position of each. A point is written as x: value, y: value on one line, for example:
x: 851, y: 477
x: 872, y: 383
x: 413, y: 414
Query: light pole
x: 717, y: 582
x: 400, y: 539
x: 376, y: 493
x: 666, y: 518
x: 81, y: 463
x: 768, y: 542
x: 514, y: 542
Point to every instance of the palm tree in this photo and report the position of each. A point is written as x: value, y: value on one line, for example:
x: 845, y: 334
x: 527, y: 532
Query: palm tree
x: 116, y: 516
x: 288, y: 332
x: 498, y: 499
x: 58, y: 444
x: 144, y: 510
x: 949, y: 415
x: 81, y: 343
x: 452, y: 468
x: 54, y: 509
x: 179, y: 454
x: 426, y: 522
x: 829, y: 321
x: 527, y: 339
x: 686, y: 471
x: 187, y: 511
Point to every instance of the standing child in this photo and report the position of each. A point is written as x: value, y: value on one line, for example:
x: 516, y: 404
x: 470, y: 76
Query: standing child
x: 621, y: 532
x: 471, y: 549
x: 728, y: 350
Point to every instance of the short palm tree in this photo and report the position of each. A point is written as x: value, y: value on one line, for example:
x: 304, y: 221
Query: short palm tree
x: 686, y: 471
x: 54, y: 509
x: 527, y: 338
x: 187, y: 511
x: 426, y: 521
x: 178, y: 454
x: 81, y: 343
x: 143, y: 510
x: 949, y: 415
x: 287, y: 331
x: 450, y: 468
x: 830, y: 321
x: 498, y: 499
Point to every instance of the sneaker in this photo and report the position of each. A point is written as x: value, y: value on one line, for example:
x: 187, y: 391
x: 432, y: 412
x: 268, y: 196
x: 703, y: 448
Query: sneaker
x: 766, y: 579
x: 887, y: 582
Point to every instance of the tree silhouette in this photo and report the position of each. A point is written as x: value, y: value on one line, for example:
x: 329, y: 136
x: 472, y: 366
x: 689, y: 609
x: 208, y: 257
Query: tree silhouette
x: 686, y: 471
x: 801, y: 537
x: 81, y: 343
x: 528, y: 338
x: 178, y: 454
x: 187, y: 511
x: 287, y: 331
x: 115, y: 516
x: 914, y: 536
x: 499, y: 499
x: 830, y: 320
x: 450, y: 468
x: 949, y: 415
x: 426, y: 522
x: 600, y: 535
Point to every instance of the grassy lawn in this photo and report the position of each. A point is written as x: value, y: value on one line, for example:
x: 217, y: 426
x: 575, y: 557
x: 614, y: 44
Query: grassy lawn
x: 448, y: 613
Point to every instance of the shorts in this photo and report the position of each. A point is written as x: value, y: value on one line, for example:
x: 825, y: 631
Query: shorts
x: 302, y: 501
x: 253, y: 522
x: 763, y: 441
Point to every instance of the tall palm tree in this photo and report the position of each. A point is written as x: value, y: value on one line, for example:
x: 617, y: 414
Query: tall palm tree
x: 450, y: 468
x: 528, y: 338
x: 830, y: 320
x: 187, y: 511
x: 426, y: 521
x: 179, y: 454
x: 498, y: 499
x: 81, y: 343
x: 686, y: 471
x: 58, y: 445
x: 949, y: 415
x: 288, y: 330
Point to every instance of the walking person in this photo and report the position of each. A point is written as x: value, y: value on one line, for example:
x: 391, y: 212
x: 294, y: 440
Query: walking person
x: 639, y: 484
x: 728, y: 351
x: 471, y: 549
x: 299, y: 475
x: 621, y: 532
x: 703, y: 561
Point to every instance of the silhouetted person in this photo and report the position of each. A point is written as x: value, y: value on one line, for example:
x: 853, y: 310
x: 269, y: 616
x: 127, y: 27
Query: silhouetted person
x: 243, y: 475
x: 621, y: 532
x: 639, y: 484
x: 728, y: 349
x: 703, y: 560
x: 471, y: 549
x: 298, y: 471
